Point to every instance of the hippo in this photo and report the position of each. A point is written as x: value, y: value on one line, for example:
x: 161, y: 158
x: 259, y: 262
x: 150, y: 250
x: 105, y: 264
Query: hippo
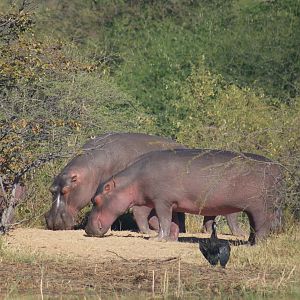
x: 101, y: 157
x: 206, y: 182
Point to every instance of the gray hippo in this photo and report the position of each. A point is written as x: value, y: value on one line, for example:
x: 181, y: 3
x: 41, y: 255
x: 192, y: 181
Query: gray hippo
x: 74, y: 187
x: 101, y: 157
x: 206, y: 182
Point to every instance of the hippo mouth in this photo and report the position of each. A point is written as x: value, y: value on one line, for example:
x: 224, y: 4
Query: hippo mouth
x: 60, y: 218
x: 95, y: 228
x: 99, y: 235
x: 93, y: 233
x: 59, y: 222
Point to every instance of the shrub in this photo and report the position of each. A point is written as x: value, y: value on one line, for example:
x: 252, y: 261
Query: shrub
x: 52, y: 100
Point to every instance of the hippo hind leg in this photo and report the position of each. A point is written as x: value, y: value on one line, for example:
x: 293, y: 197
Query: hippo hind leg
x: 259, y: 225
x: 232, y: 220
x: 207, y: 223
x: 177, y: 224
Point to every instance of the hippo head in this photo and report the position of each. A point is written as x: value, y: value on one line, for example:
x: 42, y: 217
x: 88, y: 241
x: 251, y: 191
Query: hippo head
x: 108, y: 206
x: 70, y: 195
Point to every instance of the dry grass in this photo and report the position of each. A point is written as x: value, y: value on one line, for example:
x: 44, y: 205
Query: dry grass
x: 268, y: 269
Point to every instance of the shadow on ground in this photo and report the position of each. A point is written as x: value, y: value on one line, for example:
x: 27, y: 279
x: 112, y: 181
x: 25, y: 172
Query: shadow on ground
x: 196, y: 240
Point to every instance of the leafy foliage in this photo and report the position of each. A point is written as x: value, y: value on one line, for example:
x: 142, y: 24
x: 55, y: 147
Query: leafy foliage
x: 52, y: 101
x: 250, y: 43
x: 14, y: 23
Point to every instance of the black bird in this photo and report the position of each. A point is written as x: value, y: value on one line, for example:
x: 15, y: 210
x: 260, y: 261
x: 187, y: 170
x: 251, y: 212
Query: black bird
x: 215, y: 250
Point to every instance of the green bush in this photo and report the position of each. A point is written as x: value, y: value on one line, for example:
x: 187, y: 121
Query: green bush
x: 149, y: 47
x: 67, y: 112
x: 52, y: 100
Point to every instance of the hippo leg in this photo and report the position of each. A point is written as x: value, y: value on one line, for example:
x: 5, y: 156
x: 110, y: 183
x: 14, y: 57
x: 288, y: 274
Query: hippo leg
x: 174, y: 229
x: 232, y: 220
x: 153, y: 222
x: 259, y: 225
x: 177, y: 225
x: 141, y: 214
x: 181, y: 221
x: 207, y: 223
x: 164, y: 214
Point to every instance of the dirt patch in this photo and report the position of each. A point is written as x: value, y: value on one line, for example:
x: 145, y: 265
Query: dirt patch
x: 117, y: 245
x: 122, y: 263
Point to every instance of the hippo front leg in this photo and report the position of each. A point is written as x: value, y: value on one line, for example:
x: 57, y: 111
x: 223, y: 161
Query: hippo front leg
x: 164, y: 214
x: 141, y: 214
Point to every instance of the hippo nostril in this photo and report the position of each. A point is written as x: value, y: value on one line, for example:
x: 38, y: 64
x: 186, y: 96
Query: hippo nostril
x: 99, y: 225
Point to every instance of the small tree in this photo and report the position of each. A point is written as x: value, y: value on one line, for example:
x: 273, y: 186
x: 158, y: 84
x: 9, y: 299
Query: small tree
x: 24, y: 146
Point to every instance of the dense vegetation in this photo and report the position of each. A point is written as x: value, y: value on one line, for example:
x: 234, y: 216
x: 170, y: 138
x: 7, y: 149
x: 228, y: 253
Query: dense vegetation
x: 216, y: 74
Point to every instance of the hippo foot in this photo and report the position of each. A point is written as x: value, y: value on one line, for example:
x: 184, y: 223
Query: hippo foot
x: 157, y: 239
x: 204, y: 230
x: 150, y: 235
x: 239, y: 232
x: 162, y: 239
x: 145, y: 230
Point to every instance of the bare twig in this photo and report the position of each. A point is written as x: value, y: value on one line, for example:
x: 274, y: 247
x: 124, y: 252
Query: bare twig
x: 3, y: 189
x: 118, y: 255
x: 153, y: 283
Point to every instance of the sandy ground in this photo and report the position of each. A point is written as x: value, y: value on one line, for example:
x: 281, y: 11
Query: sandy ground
x: 124, y: 245
x: 122, y: 264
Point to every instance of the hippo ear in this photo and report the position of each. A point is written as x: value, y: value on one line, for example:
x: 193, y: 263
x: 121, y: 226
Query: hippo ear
x: 109, y: 186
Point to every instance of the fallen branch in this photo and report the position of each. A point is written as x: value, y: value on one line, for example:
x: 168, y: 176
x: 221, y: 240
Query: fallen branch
x: 118, y: 255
